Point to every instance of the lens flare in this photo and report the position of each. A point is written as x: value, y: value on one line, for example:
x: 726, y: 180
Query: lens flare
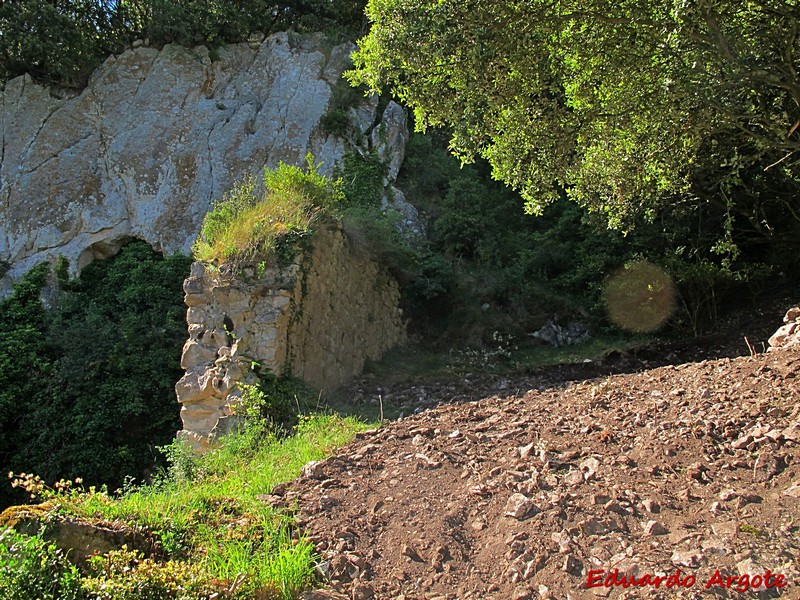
x: 640, y: 297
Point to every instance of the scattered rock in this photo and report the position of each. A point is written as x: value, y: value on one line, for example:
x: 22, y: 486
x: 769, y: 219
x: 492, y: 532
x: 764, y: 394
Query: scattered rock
x: 687, y: 558
x: 655, y: 528
x: 572, y: 566
x: 363, y: 591
x: 410, y: 552
x: 589, y: 467
x: 520, y: 507
x: 314, y: 469
x: 558, y: 336
x: 651, y: 506
x: 788, y: 336
x: 767, y: 465
x: 750, y: 568
x: 793, y: 491
x: 527, y: 495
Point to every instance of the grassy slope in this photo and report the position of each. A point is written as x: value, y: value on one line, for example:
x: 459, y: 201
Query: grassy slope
x: 208, y: 515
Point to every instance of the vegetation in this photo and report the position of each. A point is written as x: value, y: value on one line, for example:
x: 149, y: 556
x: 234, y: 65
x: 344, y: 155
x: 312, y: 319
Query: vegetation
x: 216, y: 534
x: 30, y: 568
x: 62, y: 41
x: 674, y: 124
x: 253, y: 222
x: 627, y: 108
x: 485, y: 266
x: 88, y: 387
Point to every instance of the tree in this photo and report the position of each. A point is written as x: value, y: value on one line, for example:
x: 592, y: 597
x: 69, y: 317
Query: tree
x: 625, y: 106
x: 62, y: 41
x: 54, y: 40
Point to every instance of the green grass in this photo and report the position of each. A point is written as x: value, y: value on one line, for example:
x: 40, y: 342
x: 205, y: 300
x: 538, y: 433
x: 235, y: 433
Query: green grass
x: 217, y: 520
x: 251, y: 220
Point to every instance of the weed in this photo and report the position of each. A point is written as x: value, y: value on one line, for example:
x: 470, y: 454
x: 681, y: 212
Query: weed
x: 751, y: 530
x: 487, y: 358
x: 212, y: 525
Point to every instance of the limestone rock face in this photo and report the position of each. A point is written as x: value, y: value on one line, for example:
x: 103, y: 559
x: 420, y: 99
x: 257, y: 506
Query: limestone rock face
x: 319, y: 319
x: 158, y: 135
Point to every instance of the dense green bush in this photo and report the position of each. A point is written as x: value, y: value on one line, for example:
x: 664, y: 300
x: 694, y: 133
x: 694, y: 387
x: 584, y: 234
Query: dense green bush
x: 502, y: 269
x: 31, y: 568
x: 88, y: 388
x: 425, y: 277
x: 273, y: 406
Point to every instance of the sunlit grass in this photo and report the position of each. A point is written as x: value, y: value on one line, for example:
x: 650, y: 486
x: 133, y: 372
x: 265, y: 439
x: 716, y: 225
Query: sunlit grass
x: 251, y: 219
x: 219, y: 518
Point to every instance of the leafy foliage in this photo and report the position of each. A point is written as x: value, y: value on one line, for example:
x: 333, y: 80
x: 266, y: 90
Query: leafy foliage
x: 273, y: 406
x: 30, y: 568
x: 216, y: 529
x: 216, y: 536
x: 127, y: 575
x: 627, y: 107
x: 89, y: 389
x: 250, y: 222
x: 425, y: 278
x: 504, y: 270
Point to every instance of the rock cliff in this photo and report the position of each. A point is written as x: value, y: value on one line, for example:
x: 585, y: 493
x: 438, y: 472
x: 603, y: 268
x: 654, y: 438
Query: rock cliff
x: 157, y: 135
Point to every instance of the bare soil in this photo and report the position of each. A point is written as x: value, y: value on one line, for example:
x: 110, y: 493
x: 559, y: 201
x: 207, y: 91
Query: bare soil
x: 534, y: 487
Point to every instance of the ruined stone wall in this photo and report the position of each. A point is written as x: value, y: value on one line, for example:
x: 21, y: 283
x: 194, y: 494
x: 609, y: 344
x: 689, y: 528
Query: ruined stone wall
x: 319, y: 319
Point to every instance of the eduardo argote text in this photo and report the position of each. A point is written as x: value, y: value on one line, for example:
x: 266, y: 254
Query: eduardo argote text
x: 739, y: 583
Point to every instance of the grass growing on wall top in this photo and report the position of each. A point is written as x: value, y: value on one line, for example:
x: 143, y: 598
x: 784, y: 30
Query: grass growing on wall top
x: 257, y: 221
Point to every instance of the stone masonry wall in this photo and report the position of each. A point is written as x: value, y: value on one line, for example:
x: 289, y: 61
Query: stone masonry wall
x: 319, y: 319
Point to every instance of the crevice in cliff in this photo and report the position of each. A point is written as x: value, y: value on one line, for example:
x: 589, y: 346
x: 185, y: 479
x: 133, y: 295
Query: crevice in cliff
x: 282, y: 132
x: 57, y: 154
x: 34, y: 138
x: 135, y: 96
x: 212, y: 187
x: 2, y: 143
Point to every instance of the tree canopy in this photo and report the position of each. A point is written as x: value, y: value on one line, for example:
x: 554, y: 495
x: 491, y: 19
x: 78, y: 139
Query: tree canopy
x: 625, y: 106
x: 62, y: 41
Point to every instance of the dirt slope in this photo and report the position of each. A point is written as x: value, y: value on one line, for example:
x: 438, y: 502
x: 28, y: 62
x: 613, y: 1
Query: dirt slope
x: 536, y: 494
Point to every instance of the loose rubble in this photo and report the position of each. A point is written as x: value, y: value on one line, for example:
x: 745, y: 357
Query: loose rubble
x: 684, y: 473
x: 788, y: 336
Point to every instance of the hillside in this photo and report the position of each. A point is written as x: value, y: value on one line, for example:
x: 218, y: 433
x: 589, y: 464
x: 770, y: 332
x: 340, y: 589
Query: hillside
x: 528, y: 494
x: 457, y: 300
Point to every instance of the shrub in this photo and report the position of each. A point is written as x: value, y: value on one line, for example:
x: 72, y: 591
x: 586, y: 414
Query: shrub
x: 88, y: 388
x: 32, y: 568
x: 250, y: 222
x: 273, y: 406
x: 127, y: 575
x: 425, y: 277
